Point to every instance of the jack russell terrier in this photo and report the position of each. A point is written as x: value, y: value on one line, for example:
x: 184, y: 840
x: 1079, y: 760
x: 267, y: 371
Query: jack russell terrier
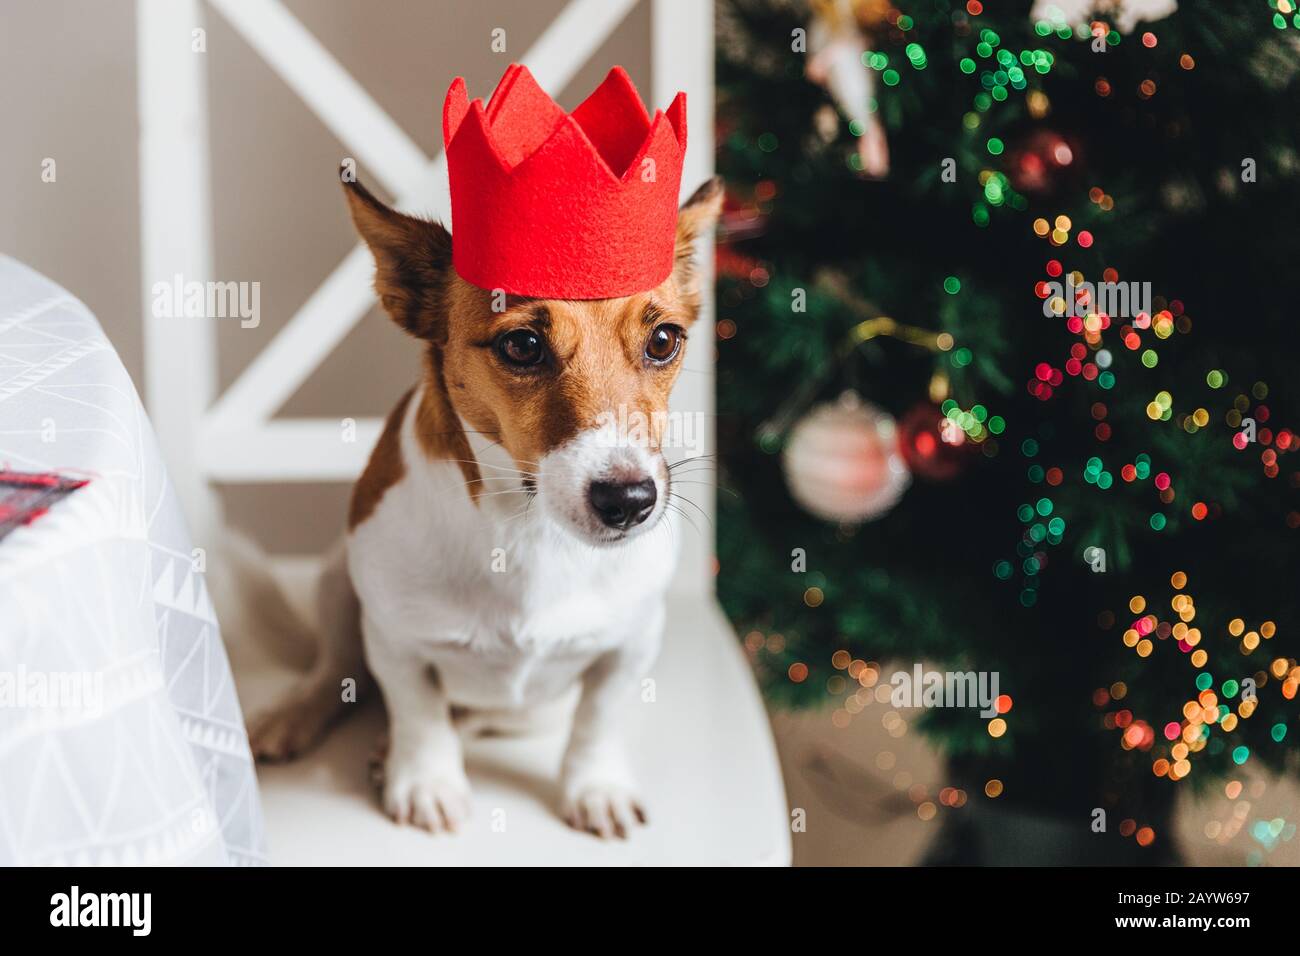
x: 506, y: 549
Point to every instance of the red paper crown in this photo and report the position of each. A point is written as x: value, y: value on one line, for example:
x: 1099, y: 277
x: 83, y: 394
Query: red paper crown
x: 557, y: 205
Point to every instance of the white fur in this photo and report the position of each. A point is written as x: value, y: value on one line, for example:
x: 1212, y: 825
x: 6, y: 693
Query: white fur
x: 506, y: 607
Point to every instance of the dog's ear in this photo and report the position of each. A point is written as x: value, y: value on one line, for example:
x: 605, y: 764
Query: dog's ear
x: 698, y: 216
x: 412, y: 262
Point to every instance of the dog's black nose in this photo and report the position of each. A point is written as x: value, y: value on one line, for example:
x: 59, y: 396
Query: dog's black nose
x: 622, y: 504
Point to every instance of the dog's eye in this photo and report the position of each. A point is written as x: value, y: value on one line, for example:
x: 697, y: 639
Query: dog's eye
x: 663, y: 344
x: 522, y: 348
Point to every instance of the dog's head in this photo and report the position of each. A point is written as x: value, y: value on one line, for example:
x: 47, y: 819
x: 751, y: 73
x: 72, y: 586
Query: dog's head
x: 576, y: 391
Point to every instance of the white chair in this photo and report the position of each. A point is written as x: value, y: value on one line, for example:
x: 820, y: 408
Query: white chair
x: 702, y: 750
x: 703, y: 747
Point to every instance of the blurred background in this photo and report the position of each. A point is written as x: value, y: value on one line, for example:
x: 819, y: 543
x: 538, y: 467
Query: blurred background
x: 970, y: 458
x: 915, y: 456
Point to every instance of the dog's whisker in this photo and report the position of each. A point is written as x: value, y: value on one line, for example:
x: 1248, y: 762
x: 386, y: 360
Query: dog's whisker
x: 683, y: 461
x: 693, y: 474
x: 704, y: 514
x: 498, y: 491
x: 511, y: 520
x: 507, y: 491
x: 514, y: 471
x: 666, y: 527
x: 708, y: 484
x: 484, y: 464
x: 522, y: 512
x: 514, y: 517
x: 685, y: 517
x: 698, y: 476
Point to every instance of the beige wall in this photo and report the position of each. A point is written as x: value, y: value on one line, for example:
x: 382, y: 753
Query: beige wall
x: 68, y: 71
x: 68, y: 68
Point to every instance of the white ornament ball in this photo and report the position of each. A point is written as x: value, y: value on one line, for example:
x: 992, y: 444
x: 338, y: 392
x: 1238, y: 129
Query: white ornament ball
x: 842, y: 464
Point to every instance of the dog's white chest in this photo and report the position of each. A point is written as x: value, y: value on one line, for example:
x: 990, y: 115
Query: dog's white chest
x: 500, y: 654
x: 474, y: 679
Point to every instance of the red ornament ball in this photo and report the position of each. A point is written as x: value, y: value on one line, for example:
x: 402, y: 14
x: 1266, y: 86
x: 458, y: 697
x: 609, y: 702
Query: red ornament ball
x: 1037, y: 163
x: 933, y: 447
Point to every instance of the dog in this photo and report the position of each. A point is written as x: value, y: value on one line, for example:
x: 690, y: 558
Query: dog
x: 506, y: 547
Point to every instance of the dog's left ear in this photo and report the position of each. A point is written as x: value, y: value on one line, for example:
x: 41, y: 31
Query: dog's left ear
x: 697, y: 217
x: 412, y: 262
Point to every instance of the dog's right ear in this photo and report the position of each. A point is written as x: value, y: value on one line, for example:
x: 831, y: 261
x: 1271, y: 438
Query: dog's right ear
x: 412, y: 262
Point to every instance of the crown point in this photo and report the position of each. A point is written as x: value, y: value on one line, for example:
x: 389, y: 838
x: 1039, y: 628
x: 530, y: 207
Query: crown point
x: 476, y: 138
x: 504, y: 85
x: 659, y: 148
x: 677, y: 116
x: 616, y: 95
x: 454, y: 109
x: 615, y: 120
x: 521, y: 115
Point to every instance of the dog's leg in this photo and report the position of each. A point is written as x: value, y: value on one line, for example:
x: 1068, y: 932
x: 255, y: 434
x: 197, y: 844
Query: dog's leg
x: 598, y: 789
x: 300, y: 719
x: 424, y: 772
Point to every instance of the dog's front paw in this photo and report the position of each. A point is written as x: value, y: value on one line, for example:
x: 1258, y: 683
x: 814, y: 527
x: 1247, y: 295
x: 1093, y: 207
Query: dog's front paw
x: 435, y: 801
x: 607, y: 810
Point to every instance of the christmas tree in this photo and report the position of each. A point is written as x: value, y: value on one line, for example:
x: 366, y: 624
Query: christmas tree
x: 1045, y: 256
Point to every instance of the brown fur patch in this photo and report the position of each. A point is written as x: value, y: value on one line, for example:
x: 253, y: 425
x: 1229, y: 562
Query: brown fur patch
x: 384, y: 469
x: 438, y: 429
